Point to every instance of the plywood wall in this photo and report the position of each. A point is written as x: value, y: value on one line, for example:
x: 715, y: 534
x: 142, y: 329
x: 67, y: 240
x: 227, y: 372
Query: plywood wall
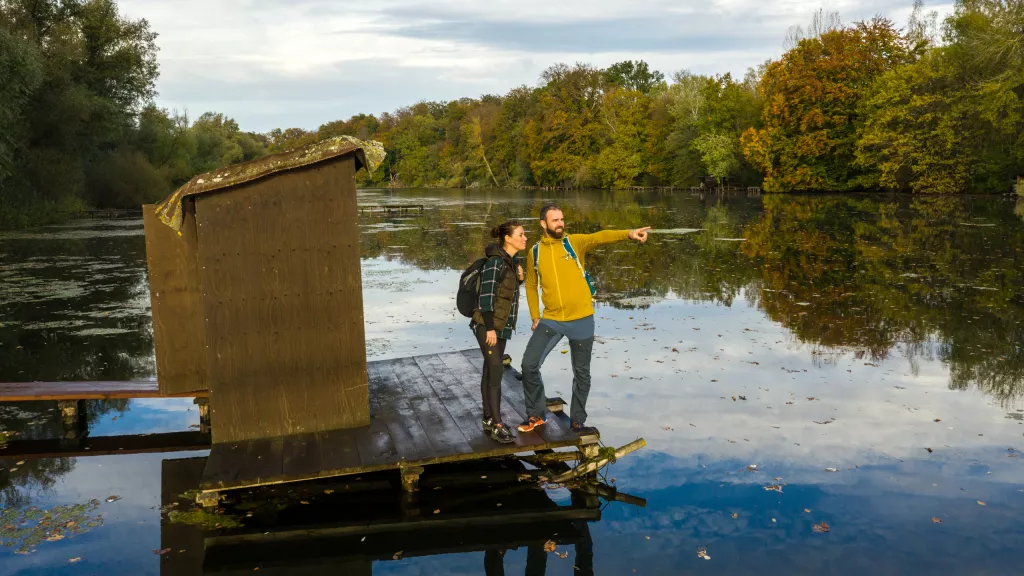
x: 176, y: 295
x: 283, y: 304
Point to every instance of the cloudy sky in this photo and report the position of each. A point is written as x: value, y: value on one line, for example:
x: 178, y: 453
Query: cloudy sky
x: 272, y: 63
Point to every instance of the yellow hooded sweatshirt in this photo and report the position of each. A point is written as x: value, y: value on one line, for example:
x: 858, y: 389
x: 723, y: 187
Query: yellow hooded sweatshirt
x: 566, y: 295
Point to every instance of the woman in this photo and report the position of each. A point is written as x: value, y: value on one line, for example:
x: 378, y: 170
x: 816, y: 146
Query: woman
x: 495, y: 319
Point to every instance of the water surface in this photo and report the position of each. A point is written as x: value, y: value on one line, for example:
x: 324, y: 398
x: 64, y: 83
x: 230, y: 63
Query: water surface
x: 829, y: 340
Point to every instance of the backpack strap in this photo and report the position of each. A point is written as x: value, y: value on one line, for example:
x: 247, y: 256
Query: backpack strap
x: 536, y: 256
x: 586, y: 276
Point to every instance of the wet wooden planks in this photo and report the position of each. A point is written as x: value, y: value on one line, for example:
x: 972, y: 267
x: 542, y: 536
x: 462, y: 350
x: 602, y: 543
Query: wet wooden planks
x: 423, y: 410
x: 30, y: 391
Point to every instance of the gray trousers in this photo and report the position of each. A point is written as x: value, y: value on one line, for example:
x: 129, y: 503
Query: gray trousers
x: 544, y: 339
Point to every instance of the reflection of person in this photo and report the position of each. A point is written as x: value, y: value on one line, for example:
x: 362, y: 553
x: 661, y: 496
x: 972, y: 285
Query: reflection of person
x: 556, y: 264
x: 537, y: 557
x: 495, y: 319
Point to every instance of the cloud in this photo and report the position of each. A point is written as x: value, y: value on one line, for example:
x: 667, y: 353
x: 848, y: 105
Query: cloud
x: 271, y: 64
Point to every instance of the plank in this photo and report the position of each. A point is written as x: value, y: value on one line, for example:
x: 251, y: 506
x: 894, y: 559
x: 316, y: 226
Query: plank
x: 81, y: 390
x: 387, y: 404
x: 283, y: 303
x: 176, y: 296
x: 338, y: 450
x: 375, y: 446
x: 224, y: 464
x: 264, y: 462
x: 301, y: 456
x: 467, y: 412
x: 464, y: 372
x: 437, y: 422
x: 107, y: 445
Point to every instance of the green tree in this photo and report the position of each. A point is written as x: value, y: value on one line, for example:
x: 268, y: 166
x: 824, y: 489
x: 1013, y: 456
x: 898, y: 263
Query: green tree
x: 720, y: 155
x: 636, y: 76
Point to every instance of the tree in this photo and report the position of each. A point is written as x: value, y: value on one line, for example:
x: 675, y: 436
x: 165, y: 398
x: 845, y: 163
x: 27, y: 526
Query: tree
x: 719, y: 154
x: 21, y: 72
x: 636, y: 76
x: 811, y: 123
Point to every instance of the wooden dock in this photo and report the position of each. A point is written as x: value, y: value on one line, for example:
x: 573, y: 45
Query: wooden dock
x: 63, y: 391
x: 389, y: 208
x: 423, y: 410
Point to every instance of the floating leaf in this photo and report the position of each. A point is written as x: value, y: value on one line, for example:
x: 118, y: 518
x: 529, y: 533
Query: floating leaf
x: 114, y: 498
x: 161, y: 552
x: 831, y: 469
x: 550, y: 546
x: 735, y: 515
x: 820, y: 528
x: 936, y: 520
x: 980, y: 503
x: 75, y: 559
x: 702, y: 552
x: 397, y: 556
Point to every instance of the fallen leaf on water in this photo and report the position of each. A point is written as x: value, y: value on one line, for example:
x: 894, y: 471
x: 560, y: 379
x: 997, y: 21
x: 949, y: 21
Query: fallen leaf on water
x: 820, y: 528
x: 702, y: 552
x: 75, y: 559
x: 929, y: 450
x: 936, y: 520
x: 328, y: 491
x: 735, y: 515
x: 811, y: 398
x: 980, y: 503
x: 829, y: 421
x: 563, y: 555
x: 751, y: 467
x: 397, y: 556
x: 675, y: 350
x: 831, y: 469
x: 113, y: 498
x: 565, y: 351
x: 161, y: 552
x: 303, y: 502
x: 648, y: 537
x: 773, y: 488
x: 808, y: 510
x: 743, y: 397
x: 938, y: 419
x: 550, y: 546
x: 19, y: 463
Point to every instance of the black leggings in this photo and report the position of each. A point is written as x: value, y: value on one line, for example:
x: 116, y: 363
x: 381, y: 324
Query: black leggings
x: 490, y: 383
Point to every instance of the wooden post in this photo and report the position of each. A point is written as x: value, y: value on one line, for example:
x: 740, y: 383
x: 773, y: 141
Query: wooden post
x: 593, y: 466
x: 72, y: 417
x: 204, y: 414
x: 411, y: 478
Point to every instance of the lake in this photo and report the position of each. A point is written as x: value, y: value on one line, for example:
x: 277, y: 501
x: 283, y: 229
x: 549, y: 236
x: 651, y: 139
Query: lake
x: 792, y: 361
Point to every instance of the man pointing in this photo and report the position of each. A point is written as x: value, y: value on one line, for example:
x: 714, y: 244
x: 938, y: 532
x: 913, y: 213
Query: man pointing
x: 556, y: 264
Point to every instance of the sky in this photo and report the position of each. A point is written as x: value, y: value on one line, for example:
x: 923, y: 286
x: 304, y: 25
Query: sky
x: 300, y: 63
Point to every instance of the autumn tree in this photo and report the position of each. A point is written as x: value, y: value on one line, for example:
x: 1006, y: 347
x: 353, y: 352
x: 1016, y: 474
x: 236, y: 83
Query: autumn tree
x: 810, y: 119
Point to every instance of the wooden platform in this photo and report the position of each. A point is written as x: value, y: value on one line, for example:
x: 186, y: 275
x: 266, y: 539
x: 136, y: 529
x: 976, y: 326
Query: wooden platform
x: 423, y: 410
x: 29, y: 391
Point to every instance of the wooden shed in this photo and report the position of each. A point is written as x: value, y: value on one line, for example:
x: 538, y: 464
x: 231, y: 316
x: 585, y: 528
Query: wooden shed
x: 257, y: 295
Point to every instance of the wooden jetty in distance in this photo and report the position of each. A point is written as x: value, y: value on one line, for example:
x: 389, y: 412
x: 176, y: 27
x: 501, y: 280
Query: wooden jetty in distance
x: 389, y: 208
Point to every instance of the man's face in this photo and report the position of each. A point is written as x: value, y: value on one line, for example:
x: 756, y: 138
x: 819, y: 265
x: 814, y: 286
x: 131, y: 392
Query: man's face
x: 553, y: 224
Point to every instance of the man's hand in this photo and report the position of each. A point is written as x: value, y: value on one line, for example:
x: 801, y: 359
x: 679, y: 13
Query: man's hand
x: 535, y: 324
x: 492, y: 338
x: 640, y: 234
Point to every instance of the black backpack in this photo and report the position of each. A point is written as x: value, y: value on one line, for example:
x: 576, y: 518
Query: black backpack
x: 468, y: 296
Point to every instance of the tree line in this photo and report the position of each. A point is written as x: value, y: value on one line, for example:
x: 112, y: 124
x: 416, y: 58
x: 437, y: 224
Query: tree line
x: 928, y: 107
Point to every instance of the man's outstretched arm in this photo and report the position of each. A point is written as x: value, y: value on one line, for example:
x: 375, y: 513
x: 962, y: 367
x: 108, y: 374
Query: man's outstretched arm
x: 586, y: 242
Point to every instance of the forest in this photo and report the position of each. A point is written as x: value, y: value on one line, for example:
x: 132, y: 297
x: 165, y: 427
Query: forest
x: 924, y: 106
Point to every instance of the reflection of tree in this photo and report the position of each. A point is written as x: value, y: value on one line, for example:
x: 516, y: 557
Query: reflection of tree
x: 41, y: 420
x: 935, y: 277
x: 848, y: 272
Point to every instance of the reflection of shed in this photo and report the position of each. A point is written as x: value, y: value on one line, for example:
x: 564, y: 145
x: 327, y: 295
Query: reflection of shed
x: 257, y: 293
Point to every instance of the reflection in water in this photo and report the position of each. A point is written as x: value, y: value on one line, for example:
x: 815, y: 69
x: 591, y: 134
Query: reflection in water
x: 802, y: 333
x: 930, y: 278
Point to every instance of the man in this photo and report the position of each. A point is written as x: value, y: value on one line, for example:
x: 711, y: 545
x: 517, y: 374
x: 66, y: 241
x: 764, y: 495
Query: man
x: 556, y: 263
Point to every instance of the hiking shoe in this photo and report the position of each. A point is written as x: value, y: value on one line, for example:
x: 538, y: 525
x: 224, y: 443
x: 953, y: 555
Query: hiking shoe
x: 501, y: 433
x: 487, y: 424
x: 582, y: 430
x: 530, y: 424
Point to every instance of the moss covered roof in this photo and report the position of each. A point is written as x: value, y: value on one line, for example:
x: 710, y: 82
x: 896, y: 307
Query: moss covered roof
x: 368, y: 154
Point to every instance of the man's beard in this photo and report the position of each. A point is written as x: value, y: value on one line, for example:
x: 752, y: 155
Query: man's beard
x: 557, y: 235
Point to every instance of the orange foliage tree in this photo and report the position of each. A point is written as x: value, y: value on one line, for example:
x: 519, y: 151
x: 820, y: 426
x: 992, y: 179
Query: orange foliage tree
x: 810, y: 122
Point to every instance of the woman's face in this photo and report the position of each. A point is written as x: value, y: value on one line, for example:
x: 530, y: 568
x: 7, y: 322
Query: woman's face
x: 517, y: 239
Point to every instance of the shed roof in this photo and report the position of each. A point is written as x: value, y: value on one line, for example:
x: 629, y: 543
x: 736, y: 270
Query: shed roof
x: 368, y: 153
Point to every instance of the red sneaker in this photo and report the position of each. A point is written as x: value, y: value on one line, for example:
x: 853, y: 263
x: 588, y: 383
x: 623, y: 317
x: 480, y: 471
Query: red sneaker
x: 530, y: 424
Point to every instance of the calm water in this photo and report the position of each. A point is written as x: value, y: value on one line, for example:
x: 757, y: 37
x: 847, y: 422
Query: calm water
x: 797, y: 334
